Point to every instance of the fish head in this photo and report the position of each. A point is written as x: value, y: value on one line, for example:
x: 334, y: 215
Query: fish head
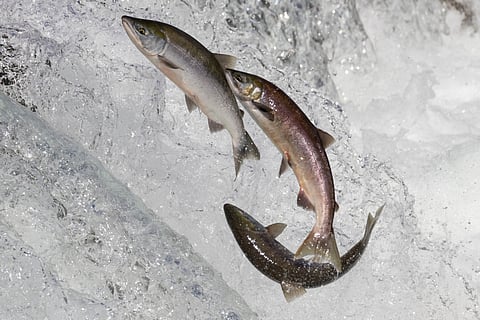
x: 241, y: 222
x: 250, y: 89
x: 244, y: 85
x: 150, y: 37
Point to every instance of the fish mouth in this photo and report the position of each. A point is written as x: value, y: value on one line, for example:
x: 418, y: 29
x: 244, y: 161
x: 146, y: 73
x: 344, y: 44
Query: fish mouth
x: 127, y: 23
x: 235, y: 216
x: 239, y: 221
x: 231, y: 213
x: 238, y: 93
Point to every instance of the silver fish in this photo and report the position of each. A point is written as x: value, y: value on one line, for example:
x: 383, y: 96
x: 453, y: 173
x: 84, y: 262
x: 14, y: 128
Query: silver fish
x: 200, y: 75
x: 275, y: 261
x: 302, y: 146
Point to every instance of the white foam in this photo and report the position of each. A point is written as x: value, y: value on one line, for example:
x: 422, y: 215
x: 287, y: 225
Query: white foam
x: 407, y: 131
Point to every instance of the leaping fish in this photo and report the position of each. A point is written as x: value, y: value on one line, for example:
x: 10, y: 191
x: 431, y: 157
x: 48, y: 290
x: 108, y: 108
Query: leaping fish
x: 275, y: 261
x: 303, y: 148
x: 198, y: 73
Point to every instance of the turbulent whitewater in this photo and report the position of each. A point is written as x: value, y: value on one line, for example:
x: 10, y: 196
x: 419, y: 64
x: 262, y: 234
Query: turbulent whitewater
x: 111, y: 192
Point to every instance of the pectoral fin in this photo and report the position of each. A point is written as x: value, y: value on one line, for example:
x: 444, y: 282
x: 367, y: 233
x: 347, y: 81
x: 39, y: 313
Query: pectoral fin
x: 264, y: 111
x: 292, y: 291
x: 283, y: 166
x: 303, y: 201
x: 168, y: 64
x: 214, y: 126
x: 276, y: 229
x: 327, y: 139
x: 225, y: 60
x: 190, y: 104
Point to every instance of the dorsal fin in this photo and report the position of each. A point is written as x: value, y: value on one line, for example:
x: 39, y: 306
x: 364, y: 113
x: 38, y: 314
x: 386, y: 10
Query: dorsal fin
x: 327, y: 139
x: 276, y: 229
x: 225, y: 60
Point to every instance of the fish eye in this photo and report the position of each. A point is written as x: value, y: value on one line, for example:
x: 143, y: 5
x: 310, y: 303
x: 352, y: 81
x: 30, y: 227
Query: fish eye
x: 141, y: 30
x: 238, y: 77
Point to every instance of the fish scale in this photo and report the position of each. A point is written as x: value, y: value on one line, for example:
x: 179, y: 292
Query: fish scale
x: 303, y: 149
x: 275, y: 261
x: 199, y: 74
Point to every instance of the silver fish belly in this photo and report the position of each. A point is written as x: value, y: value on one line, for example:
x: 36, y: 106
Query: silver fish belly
x: 198, y: 73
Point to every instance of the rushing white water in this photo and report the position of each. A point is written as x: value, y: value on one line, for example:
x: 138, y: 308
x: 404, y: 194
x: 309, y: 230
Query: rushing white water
x: 77, y: 244
x: 404, y: 79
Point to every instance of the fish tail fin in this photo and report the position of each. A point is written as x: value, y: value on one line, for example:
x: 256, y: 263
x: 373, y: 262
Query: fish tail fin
x: 322, y: 247
x: 246, y: 148
x: 371, y: 221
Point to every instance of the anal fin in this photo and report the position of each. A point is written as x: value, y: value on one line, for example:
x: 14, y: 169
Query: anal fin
x: 303, y: 201
x: 292, y: 291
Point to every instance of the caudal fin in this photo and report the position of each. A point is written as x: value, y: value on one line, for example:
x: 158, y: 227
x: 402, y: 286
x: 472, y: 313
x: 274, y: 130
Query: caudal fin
x: 245, y: 149
x: 371, y: 221
x: 322, y: 247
